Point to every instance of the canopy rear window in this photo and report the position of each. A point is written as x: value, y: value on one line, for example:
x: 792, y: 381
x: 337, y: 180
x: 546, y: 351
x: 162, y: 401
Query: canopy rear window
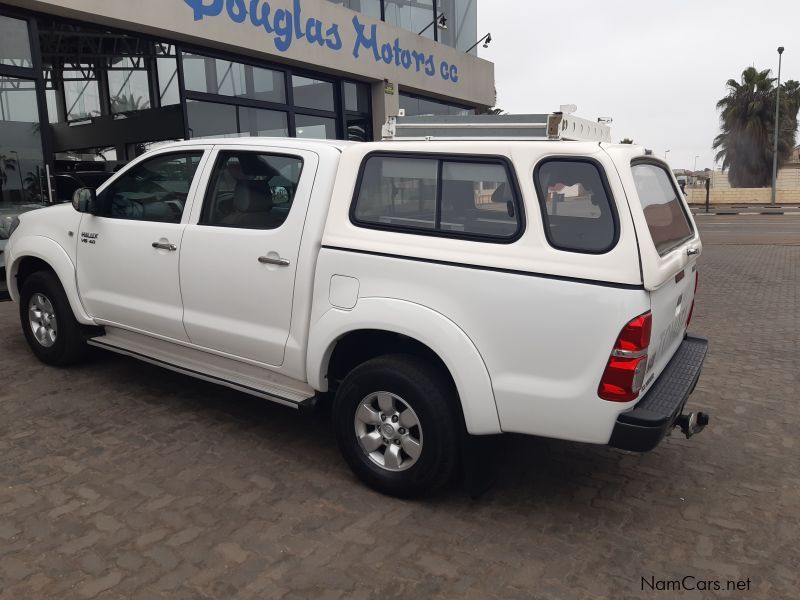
x: 663, y: 210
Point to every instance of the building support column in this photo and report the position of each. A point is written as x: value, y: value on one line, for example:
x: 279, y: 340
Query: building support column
x: 385, y: 104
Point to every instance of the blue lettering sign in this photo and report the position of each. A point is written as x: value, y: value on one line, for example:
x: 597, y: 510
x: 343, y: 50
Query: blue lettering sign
x: 201, y: 9
x: 286, y: 26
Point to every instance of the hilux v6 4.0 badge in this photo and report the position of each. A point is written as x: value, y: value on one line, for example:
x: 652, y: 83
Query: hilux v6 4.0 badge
x: 88, y: 238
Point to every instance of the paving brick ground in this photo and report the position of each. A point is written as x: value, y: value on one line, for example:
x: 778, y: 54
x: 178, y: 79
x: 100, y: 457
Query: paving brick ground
x: 120, y: 480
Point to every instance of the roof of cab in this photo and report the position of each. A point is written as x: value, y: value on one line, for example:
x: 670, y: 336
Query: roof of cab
x: 287, y: 142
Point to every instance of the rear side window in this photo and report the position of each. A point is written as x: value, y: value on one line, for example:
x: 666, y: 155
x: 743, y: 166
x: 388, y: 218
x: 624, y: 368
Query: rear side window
x: 577, y: 209
x: 456, y: 197
x: 669, y: 227
x: 399, y: 192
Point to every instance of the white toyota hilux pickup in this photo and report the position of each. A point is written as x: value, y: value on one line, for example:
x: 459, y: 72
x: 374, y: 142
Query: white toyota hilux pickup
x: 432, y: 289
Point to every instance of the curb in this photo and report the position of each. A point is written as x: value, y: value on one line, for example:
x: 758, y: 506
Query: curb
x: 736, y: 212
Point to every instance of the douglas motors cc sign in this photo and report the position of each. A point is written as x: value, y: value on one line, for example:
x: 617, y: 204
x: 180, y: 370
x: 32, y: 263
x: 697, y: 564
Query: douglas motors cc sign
x: 289, y: 26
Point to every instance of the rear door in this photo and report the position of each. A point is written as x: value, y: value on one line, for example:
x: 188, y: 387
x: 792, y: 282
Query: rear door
x: 239, y: 254
x: 669, y: 246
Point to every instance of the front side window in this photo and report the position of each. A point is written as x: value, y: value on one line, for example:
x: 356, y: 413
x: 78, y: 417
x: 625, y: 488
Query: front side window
x: 154, y: 190
x: 669, y: 227
x: 577, y: 209
x: 251, y: 190
x: 471, y: 197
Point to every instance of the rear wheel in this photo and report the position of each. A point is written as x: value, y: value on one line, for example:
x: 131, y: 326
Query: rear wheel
x: 48, y: 322
x: 398, y: 426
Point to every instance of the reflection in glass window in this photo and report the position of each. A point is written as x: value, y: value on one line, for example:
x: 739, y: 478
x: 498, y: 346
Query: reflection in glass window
x: 154, y: 190
x: 398, y: 192
x: 477, y: 198
x: 462, y: 24
x: 359, y: 129
x: 15, y: 47
x: 663, y: 210
x: 313, y: 93
x: 22, y: 179
x: 251, y: 190
x: 213, y: 120
x: 259, y: 122
x: 167, y: 66
x: 371, y: 8
x: 128, y: 87
x: 411, y: 15
x: 82, y: 94
x: 356, y: 96
x: 215, y: 76
x: 321, y: 128
x: 416, y: 106
x: 577, y: 211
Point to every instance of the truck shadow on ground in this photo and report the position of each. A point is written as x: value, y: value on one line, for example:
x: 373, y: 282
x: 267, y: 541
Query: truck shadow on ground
x: 507, y: 469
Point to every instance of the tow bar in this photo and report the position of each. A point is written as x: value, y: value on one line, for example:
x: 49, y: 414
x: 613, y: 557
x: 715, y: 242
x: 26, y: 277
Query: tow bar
x: 692, y: 423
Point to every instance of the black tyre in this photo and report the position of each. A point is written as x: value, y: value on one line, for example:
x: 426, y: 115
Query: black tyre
x: 48, y: 322
x: 398, y: 425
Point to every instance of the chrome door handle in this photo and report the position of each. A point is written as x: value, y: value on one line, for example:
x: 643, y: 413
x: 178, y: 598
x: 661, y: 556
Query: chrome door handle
x: 692, y: 251
x: 160, y: 246
x: 268, y: 260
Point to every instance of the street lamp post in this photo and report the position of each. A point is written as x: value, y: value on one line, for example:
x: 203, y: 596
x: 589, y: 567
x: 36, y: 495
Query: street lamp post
x: 665, y: 153
x: 777, y: 132
x: 695, y: 162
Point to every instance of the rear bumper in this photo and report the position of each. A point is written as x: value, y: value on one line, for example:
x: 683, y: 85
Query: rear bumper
x: 642, y: 428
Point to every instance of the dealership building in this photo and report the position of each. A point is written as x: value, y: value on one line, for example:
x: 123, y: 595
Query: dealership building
x: 89, y: 84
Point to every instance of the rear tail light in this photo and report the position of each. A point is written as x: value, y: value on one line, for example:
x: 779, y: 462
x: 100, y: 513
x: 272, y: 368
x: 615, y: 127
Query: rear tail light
x: 691, y: 310
x: 626, y: 367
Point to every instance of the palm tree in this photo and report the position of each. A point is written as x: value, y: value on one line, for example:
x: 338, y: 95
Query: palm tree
x: 122, y: 103
x: 6, y: 165
x: 745, y: 145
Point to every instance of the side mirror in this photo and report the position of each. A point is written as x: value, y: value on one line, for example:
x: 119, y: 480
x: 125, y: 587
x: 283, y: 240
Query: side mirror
x: 84, y: 200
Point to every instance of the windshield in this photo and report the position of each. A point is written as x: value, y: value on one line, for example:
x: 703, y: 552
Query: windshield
x: 663, y: 210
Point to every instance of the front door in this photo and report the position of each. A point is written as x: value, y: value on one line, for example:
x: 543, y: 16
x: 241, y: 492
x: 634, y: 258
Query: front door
x: 128, y: 254
x: 240, y: 252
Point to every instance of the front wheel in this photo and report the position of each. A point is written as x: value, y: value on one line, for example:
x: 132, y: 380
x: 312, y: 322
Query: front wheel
x: 48, y: 322
x: 398, y: 425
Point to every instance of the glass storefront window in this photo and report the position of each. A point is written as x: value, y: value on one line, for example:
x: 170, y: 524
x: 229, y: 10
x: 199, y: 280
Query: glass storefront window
x: 15, y: 47
x: 258, y: 122
x: 214, y: 76
x: 356, y: 96
x: 462, y: 24
x: 416, y: 106
x: 313, y: 93
x: 82, y: 96
x: 411, y: 15
x: 371, y: 8
x: 128, y: 87
x: 214, y: 120
x: 167, y: 67
x: 307, y: 126
x: 358, y: 129
x: 169, y: 91
x: 211, y: 120
x: 22, y: 179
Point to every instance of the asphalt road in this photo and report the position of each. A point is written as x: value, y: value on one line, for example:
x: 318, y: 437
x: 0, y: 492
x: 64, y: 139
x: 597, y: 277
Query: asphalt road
x: 122, y: 480
x: 746, y: 229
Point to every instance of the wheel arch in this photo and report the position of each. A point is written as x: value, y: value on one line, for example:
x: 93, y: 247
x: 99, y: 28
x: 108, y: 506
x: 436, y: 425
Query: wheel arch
x: 379, y: 326
x: 35, y: 253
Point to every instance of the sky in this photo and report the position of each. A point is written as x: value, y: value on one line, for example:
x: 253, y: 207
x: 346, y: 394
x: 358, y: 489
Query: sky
x: 657, y: 68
